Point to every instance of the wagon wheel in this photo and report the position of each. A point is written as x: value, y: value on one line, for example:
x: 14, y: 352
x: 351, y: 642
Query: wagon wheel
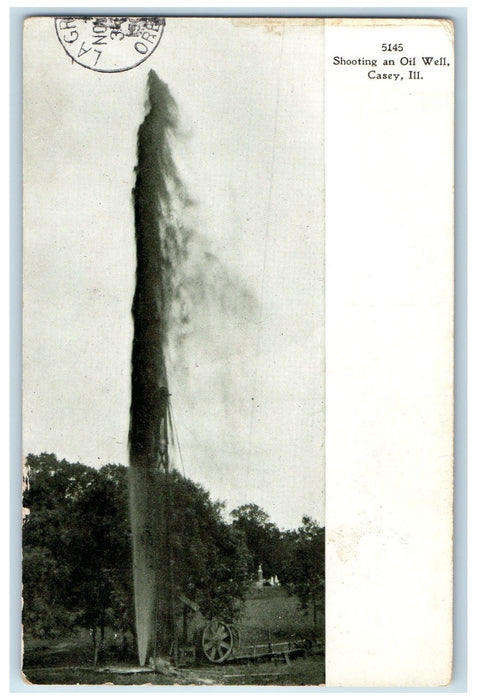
x: 217, y: 641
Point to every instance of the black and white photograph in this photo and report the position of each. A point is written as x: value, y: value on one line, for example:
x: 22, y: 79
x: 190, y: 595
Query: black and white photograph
x: 238, y: 429
x: 173, y: 351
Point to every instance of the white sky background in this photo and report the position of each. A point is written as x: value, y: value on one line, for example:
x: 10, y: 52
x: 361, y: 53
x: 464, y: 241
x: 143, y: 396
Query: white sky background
x: 250, y: 103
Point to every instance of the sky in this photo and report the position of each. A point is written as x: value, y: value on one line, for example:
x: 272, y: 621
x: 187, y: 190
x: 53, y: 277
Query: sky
x: 247, y: 381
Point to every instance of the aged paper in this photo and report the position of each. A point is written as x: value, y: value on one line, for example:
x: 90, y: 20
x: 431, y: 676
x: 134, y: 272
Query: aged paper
x: 389, y: 351
x: 185, y: 180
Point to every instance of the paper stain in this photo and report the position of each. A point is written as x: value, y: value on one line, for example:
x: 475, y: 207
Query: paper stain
x: 346, y: 539
x: 276, y: 25
x: 359, y: 22
x: 403, y: 22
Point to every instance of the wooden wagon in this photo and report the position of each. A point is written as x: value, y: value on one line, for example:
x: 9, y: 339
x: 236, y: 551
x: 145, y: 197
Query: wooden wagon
x: 221, y: 641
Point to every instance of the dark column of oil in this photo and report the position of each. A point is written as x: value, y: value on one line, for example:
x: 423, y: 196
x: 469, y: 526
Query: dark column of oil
x: 156, y: 178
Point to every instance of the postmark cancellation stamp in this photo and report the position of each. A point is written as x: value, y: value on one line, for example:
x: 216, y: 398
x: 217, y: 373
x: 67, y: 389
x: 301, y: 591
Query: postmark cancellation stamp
x: 109, y: 44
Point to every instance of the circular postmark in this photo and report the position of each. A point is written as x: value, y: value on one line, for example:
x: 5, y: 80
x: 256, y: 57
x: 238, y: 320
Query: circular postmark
x: 109, y: 44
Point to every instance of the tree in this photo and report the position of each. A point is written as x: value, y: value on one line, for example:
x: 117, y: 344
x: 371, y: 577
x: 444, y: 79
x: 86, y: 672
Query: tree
x: 304, y: 569
x: 77, y: 562
x: 53, y: 488
x: 77, y: 549
x: 262, y: 538
x: 45, y: 614
x: 211, y: 560
x: 100, y: 555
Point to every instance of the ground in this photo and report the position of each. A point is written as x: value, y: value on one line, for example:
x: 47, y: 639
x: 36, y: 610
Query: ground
x: 299, y: 672
x: 270, y: 615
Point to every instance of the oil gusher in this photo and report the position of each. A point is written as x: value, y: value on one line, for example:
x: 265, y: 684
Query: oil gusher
x: 159, y: 247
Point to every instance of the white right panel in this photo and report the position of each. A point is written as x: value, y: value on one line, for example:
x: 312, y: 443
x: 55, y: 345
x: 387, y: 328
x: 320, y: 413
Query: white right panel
x: 389, y: 351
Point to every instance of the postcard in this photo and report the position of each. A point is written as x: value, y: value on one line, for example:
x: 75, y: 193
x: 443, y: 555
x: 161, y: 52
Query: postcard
x: 238, y: 351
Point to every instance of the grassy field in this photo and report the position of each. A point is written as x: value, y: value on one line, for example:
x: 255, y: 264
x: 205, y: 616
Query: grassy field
x: 270, y: 615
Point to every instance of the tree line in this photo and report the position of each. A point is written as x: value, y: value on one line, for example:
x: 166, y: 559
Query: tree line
x: 77, y: 551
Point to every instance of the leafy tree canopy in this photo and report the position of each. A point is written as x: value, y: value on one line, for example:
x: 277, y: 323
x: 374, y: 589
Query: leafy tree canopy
x: 262, y: 538
x: 77, y: 548
x: 304, y: 567
x: 77, y: 559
